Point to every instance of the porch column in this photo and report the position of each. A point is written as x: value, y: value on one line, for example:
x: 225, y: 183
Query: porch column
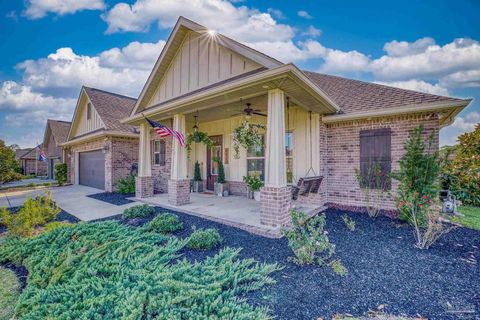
x: 275, y: 195
x: 179, y: 184
x: 144, y: 180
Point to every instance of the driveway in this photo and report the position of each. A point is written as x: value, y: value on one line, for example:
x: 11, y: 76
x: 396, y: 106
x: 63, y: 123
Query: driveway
x: 72, y: 199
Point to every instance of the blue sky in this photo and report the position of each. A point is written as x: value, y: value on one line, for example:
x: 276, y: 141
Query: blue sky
x: 48, y: 49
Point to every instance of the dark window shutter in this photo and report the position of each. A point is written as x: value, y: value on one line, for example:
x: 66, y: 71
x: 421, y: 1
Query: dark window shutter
x: 162, y: 152
x: 375, y: 148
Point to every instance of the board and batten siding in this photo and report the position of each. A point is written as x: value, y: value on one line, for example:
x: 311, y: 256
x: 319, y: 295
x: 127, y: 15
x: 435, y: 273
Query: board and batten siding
x: 199, y: 62
x: 303, y: 144
x: 81, y: 124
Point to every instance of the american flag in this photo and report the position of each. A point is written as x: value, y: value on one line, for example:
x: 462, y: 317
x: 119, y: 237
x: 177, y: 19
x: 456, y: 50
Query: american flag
x: 41, y: 154
x: 164, y: 131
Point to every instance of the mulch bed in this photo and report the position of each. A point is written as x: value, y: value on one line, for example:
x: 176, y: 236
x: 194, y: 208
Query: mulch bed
x: 114, y: 198
x: 384, y: 268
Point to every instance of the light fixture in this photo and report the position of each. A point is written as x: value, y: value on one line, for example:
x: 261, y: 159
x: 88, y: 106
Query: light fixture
x: 195, y: 127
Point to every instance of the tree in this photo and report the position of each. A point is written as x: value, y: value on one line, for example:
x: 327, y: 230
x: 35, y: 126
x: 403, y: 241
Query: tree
x: 8, y: 163
x: 462, y: 174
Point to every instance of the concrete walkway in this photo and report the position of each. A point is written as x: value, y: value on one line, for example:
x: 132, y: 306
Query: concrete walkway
x: 72, y: 199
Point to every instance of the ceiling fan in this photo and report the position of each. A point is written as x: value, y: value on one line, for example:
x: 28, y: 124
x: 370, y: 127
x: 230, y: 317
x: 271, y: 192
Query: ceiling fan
x: 248, y: 111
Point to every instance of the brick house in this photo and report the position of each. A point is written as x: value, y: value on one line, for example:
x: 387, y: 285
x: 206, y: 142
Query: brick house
x: 99, y: 149
x: 28, y: 160
x: 316, y: 124
x: 56, y: 133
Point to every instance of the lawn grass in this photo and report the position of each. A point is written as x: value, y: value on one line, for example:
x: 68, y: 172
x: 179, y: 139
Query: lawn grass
x: 106, y: 270
x: 471, y: 218
x: 9, y: 291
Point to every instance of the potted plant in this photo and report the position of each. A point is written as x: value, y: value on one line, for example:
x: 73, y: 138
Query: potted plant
x: 248, y: 135
x: 220, y: 187
x: 197, y: 178
x: 254, y: 184
x: 197, y: 137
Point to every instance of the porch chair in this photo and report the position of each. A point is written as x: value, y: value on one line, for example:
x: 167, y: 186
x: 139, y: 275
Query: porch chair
x: 306, y: 185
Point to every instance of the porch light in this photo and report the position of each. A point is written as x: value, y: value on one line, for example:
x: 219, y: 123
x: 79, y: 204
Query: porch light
x: 195, y: 127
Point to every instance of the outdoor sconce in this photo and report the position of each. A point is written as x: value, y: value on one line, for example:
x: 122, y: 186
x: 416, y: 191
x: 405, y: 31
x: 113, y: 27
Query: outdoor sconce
x: 106, y: 148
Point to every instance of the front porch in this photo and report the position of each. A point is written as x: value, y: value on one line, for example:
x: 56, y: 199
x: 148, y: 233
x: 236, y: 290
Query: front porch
x: 236, y: 211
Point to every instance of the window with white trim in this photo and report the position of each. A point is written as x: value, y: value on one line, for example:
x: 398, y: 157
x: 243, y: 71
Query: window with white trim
x: 159, y: 152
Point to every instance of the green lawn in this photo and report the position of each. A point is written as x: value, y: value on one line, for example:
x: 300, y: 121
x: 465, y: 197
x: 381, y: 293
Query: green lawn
x: 9, y: 291
x: 471, y: 217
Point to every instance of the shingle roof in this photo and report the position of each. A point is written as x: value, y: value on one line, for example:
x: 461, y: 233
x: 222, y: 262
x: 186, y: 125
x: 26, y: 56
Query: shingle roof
x: 356, y: 96
x: 20, y: 152
x: 112, y: 108
x: 31, y: 153
x: 59, y: 130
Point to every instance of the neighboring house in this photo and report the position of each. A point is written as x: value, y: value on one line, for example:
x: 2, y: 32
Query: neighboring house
x: 316, y: 124
x: 56, y: 133
x: 28, y: 159
x: 99, y: 149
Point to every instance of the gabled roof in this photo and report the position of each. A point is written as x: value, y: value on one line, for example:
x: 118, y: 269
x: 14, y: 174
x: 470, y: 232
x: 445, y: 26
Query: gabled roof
x: 357, y: 96
x: 21, y: 152
x: 59, y: 129
x: 175, y: 39
x: 31, y: 153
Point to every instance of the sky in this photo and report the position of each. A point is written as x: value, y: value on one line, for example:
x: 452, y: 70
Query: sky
x: 50, y: 48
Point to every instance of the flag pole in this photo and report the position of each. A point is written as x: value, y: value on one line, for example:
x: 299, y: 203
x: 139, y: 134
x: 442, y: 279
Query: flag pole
x: 36, y: 160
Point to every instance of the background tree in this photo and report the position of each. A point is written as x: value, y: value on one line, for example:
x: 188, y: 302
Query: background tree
x: 8, y: 164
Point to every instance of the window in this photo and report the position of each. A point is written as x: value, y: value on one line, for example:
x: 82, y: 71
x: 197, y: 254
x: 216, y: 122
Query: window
x: 89, y: 111
x: 159, y: 152
x: 216, y: 153
x: 289, y: 155
x: 256, y: 161
x: 375, y: 153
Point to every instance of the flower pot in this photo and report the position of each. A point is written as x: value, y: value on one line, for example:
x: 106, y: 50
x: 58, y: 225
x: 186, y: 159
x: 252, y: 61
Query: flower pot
x: 256, y: 195
x: 220, y: 188
x: 249, y: 194
x: 197, y: 186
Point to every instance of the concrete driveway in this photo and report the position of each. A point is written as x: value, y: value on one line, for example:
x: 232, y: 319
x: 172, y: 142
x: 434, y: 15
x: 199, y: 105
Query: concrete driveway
x: 72, y: 199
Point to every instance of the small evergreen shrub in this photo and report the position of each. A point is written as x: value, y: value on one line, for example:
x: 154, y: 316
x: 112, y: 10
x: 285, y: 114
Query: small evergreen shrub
x: 349, y: 222
x: 338, y: 267
x: 50, y: 226
x: 60, y: 173
x: 138, y: 211
x: 197, y: 175
x: 165, y: 223
x: 201, y: 239
x: 33, y: 213
x: 126, y: 185
x: 221, y: 171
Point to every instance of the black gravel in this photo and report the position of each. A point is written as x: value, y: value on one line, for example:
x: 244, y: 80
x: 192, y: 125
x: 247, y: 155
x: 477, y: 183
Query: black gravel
x: 384, y: 268
x: 114, y: 198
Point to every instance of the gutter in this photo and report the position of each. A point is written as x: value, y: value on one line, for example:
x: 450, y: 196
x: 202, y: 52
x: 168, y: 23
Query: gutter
x: 100, y: 134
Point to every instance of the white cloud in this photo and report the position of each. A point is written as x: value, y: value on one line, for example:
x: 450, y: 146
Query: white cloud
x: 304, y: 14
x: 240, y: 23
x: 469, y: 78
x: 403, y: 48
x: 276, y: 13
x: 468, y: 122
x: 418, y: 85
x: 39, y: 8
x: 135, y: 54
x: 287, y: 51
x: 312, y: 32
x: 341, y: 62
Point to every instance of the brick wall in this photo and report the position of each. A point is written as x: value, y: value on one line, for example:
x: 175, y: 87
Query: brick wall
x: 343, y: 153
x: 30, y: 167
x: 124, y: 153
x: 161, y: 174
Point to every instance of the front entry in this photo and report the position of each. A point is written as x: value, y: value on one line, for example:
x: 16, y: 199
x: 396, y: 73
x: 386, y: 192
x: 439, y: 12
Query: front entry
x: 212, y: 166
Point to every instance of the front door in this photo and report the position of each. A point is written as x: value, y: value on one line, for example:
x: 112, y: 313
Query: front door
x: 212, y: 166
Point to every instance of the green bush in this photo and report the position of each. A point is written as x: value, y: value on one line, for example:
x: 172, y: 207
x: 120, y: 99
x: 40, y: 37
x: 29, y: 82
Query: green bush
x: 138, y: 211
x: 126, y: 185
x: 33, y: 213
x: 60, y: 172
x: 221, y: 170
x: 253, y: 182
x: 197, y: 176
x: 106, y: 270
x: 307, y: 239
x: 349, y: 222
x: 204, y: 239
x: 9, y: 292
x: 8, y: 164
x: 165, y: 223
x: 50, y: 226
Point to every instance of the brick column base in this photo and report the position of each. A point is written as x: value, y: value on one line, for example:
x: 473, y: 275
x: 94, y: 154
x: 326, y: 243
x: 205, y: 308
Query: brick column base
x: 275, y: 206
x: 143, y: 187
x: 178, y: 192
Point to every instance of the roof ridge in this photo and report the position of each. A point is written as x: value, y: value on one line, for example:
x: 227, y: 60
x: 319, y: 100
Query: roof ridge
x: 110, y: 93
x: 59, y: 120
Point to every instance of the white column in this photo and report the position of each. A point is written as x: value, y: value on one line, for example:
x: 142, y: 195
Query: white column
x: 275, y: 163
x: 179, y: 153
x: 314, y: 143
x: 144, y: 156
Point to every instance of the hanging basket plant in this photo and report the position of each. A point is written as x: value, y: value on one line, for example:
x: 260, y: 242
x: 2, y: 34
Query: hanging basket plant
x: 248, y: 135
x: 197, y: 137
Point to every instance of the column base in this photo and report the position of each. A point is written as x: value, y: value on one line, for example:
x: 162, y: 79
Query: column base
x: 179, y: 192
x: 275, y: 205
x: 143, y: 187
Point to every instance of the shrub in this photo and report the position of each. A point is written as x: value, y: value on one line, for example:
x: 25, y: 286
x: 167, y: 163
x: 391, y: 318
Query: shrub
x: 204, y: 239
x: 197, y: 176
x: 221, y: 171
x: 33, y: 213
x: 8, y: 164
x: 349, y: 222
x: 126, y: 185
x: 374, y: 185
x: 338, y: 267
x: 9, y: 291
x: 165, y: 223
x: 417, y: 190
x: 138, y: 211
x: 118, y: 272
x: 253, y: 182
x: 61, y: 173
x: 307, y: 239
x: 50, y: 226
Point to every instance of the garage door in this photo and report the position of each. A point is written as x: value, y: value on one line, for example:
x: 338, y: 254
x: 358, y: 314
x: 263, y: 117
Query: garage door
x: 92, y: 169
